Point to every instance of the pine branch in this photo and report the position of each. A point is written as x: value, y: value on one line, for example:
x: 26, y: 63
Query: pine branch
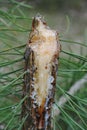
x: 73, y: 89
x: 41, y: 57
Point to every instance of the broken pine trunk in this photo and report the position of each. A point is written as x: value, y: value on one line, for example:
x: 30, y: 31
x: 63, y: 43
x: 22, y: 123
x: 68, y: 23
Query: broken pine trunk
x: 41, y: 62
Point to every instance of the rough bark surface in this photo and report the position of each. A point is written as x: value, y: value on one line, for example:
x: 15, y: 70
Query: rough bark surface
x: 41, y: 63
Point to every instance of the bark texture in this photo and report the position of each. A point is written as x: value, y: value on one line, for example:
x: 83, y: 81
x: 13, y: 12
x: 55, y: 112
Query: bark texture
x: 41, y: 61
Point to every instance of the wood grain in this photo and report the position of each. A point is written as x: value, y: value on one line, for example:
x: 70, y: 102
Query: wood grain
x: 41, y: 62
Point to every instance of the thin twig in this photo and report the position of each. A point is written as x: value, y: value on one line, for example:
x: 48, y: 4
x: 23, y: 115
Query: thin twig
x: 73, y: 89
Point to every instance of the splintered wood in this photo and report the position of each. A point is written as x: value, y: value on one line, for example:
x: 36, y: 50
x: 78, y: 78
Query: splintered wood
x: 41, y: 61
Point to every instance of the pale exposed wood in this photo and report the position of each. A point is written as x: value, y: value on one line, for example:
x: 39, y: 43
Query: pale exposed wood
x: 41, y: 63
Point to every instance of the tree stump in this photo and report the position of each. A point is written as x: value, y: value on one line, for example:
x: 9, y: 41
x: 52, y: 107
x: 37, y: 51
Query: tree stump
x: 41, y: 63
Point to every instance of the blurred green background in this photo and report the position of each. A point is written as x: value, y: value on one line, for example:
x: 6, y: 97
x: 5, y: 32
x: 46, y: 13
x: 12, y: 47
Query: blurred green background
x: 69, y: 18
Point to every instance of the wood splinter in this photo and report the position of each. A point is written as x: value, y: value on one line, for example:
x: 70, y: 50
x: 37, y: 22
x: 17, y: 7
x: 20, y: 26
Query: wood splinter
x: 41, y: 61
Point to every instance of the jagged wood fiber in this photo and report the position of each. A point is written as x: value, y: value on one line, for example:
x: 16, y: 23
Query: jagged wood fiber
x: 41, y: 61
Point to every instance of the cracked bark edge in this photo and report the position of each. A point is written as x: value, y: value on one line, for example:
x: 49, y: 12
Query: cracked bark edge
x: 41, y: 61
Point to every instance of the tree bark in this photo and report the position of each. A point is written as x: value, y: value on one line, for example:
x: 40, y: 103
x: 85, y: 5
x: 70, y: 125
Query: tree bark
x: 41, y: 63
